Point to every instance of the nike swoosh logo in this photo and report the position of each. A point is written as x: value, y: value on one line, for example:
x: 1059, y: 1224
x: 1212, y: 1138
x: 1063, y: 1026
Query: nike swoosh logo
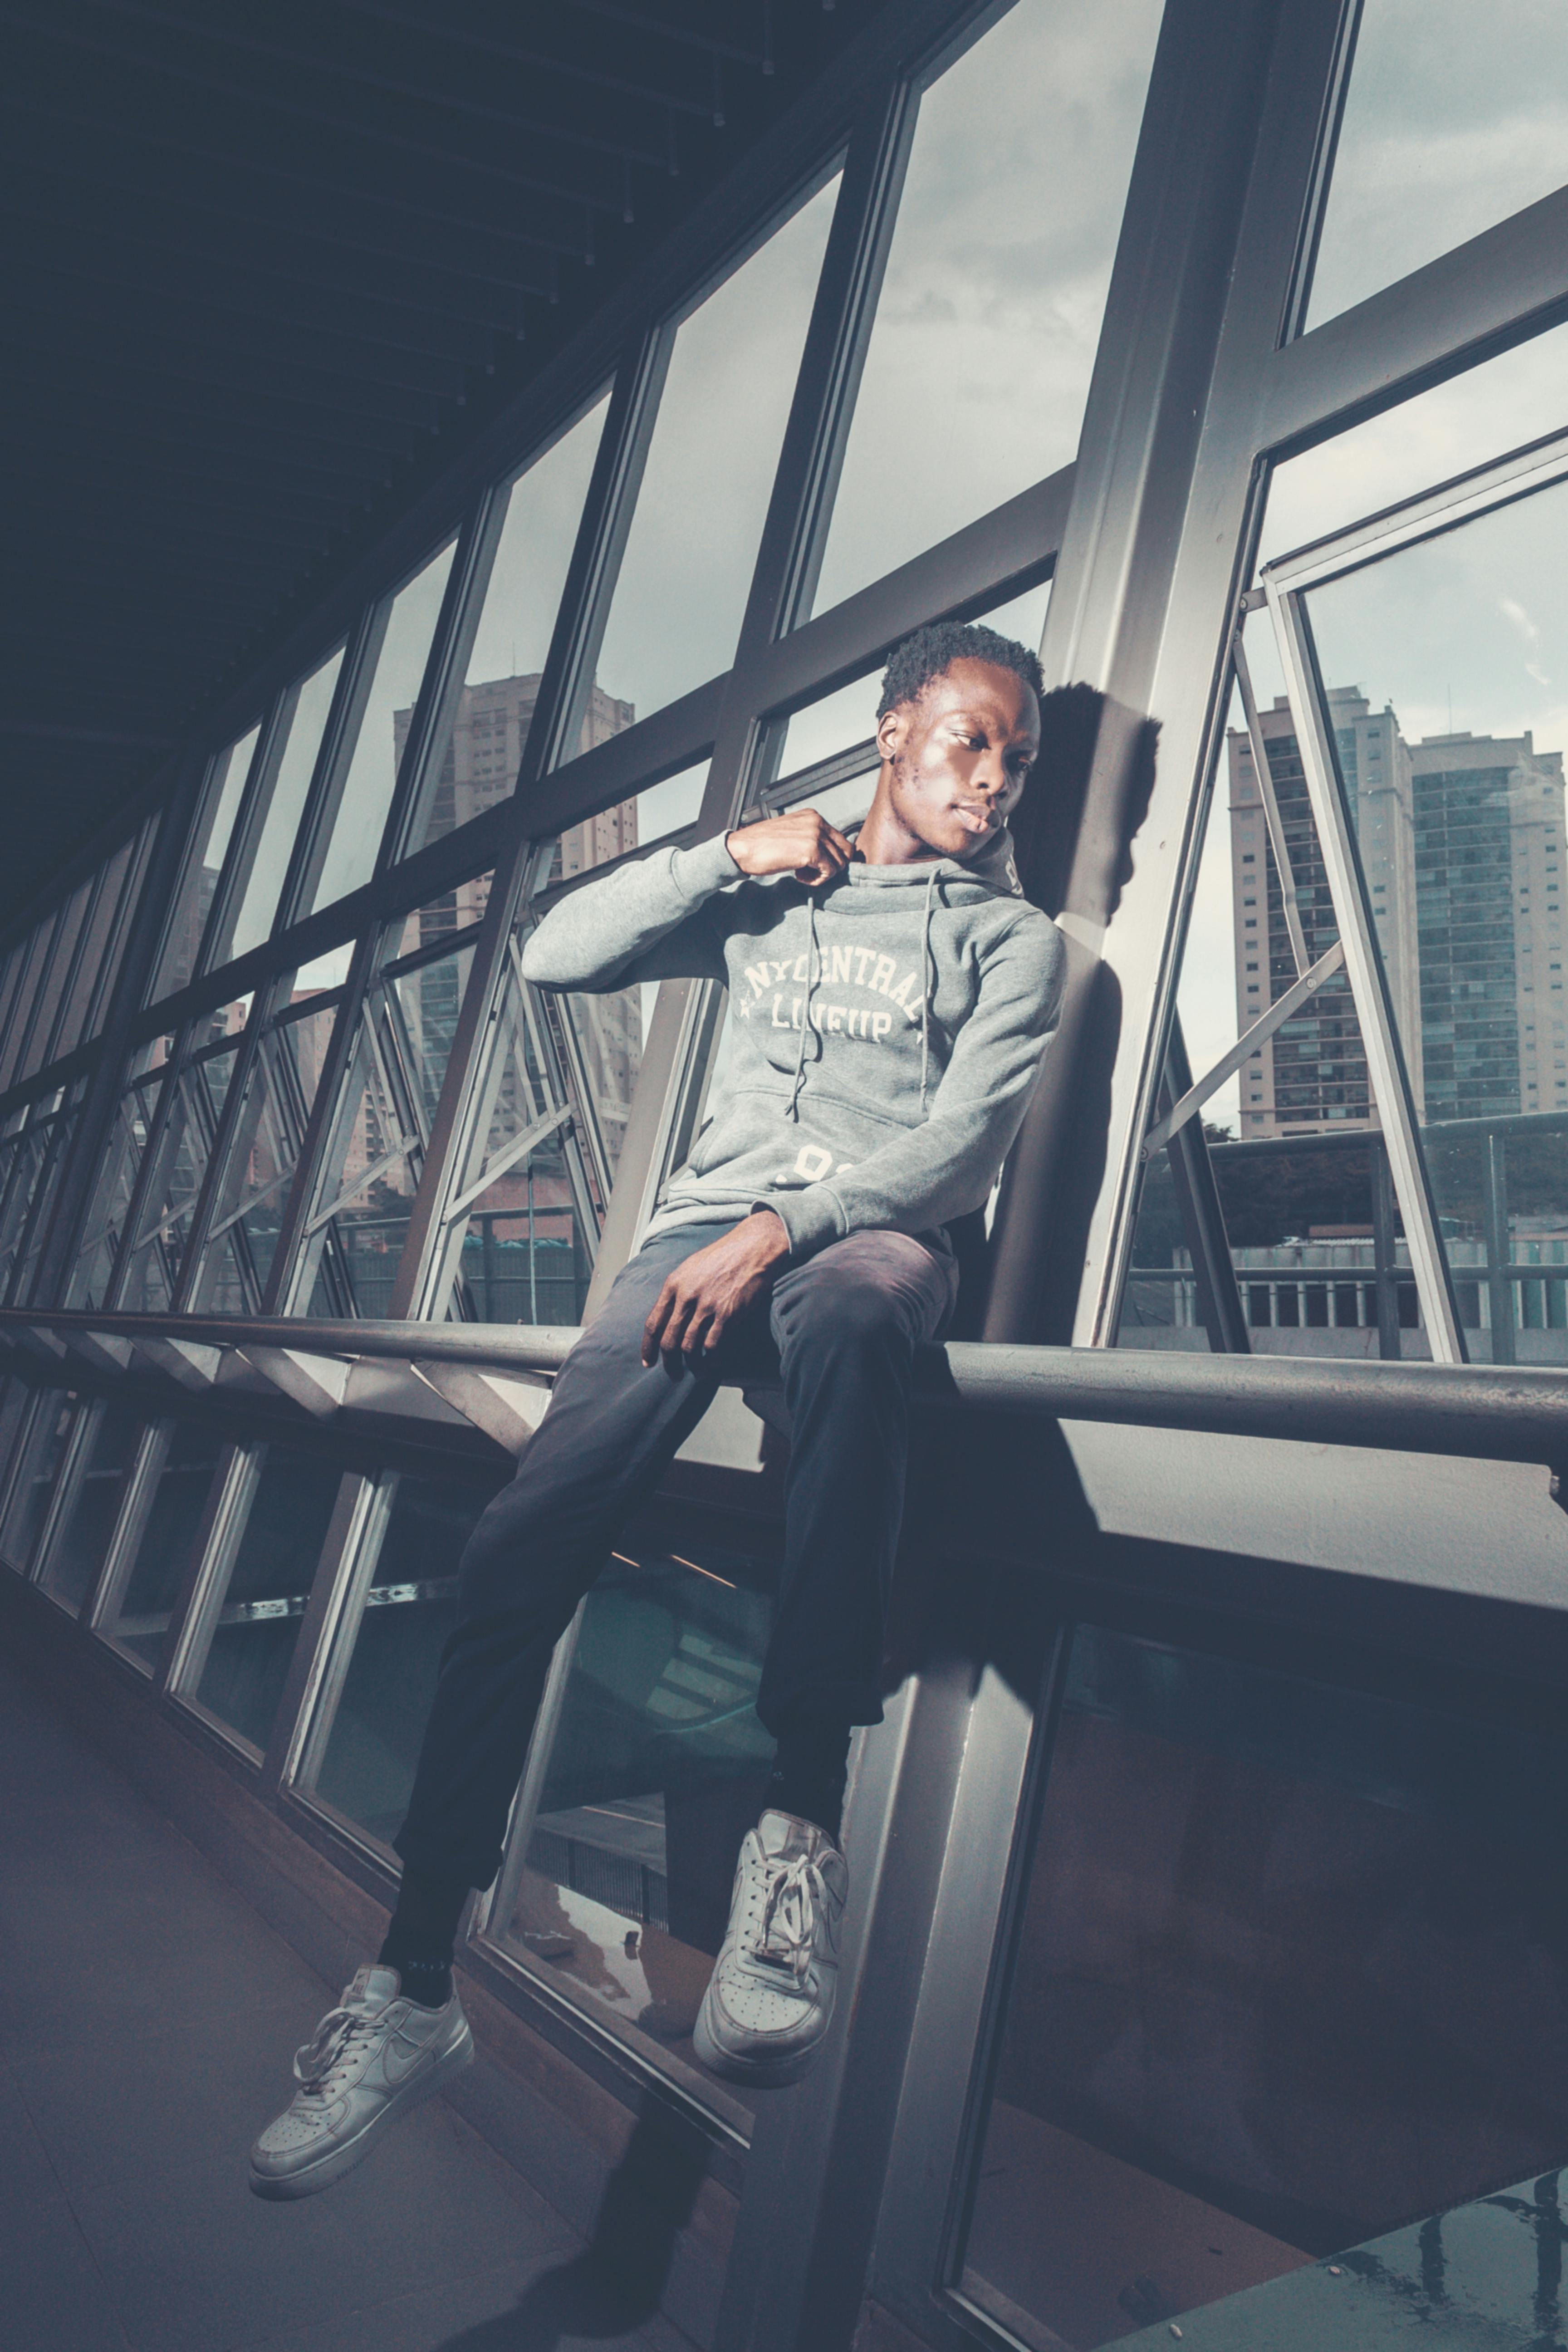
x: 401, y: 2058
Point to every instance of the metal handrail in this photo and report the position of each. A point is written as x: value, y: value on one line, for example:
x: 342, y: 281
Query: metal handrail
x: 1503, y: 1412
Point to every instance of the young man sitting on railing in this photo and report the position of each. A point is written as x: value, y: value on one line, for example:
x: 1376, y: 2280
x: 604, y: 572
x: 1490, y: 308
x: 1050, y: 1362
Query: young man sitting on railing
x: 891, y: 994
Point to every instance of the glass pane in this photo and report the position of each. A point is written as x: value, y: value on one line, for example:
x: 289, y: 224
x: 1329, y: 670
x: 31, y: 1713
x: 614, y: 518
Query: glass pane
x: 81, y: 1540
x: 687, y: 565
x: 124, y: 880
x: 266, y: 1591
x: 140, y: 1624
x: 99, y: 915
x: 44, y: 1449
x: 210, y: 847
x: 156, y: 1257
x: 1282, y: 1983
x: 258, y: 900
x: 489, y: 727
x: 268, y: 1138
x: 367, y: 788
x: 367, y: 1767
x: 383, y: 1121
x: 665, y: 808
x: 24, y: 1239
x: 98, y: 1250
x: 985, y: 331
x: 530, y: 1200
x: 1316, y: 1237
x: 41, y: 1048
x: 1483, y: 413
x: 1456, y: 118
x: 655, y: 1770
x: 37, y: 949
x: 1456, y: 791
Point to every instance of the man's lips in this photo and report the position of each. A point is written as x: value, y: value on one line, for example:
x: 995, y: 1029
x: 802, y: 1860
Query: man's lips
x: 977, y: 820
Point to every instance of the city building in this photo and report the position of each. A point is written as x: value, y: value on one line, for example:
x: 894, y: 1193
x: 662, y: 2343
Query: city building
x: 1461, y: 840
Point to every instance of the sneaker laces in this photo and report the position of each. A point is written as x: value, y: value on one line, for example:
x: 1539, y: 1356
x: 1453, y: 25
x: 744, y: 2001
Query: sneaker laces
x: 334, y: 2038
x: 791, y: 1899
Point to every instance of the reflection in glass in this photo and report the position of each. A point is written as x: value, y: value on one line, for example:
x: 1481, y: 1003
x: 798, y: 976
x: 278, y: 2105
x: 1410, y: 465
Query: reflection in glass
x: 1456, y: 117
x: 655, y: 1772
x: 367, y: 788
x: 155, y: 1566
x: 1457, y: 644
x: 264, y: 1594
x: 254, y: 915
x: 985, y: 331
x: 687, y: 569
x: 1288, y: 1974
x: 366, y: 1769
x: 210, y: 847
x: 80, y: 1545
x: 489, y: 726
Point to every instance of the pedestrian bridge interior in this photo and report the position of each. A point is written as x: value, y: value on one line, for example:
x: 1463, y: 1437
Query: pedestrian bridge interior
x: 1205, y: 1976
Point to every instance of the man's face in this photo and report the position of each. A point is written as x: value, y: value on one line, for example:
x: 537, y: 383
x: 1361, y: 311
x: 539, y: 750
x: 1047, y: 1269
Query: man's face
x: 956, y: 759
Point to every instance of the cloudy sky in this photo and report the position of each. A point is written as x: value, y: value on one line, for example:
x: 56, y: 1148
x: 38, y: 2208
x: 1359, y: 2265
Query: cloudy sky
x: 1456, y: 116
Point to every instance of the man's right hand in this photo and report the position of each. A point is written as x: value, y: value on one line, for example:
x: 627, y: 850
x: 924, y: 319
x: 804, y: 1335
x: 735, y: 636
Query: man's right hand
x: 801, y: 842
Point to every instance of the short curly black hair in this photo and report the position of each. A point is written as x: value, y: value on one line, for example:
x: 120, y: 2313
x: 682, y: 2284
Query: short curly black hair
x: 921, y: 657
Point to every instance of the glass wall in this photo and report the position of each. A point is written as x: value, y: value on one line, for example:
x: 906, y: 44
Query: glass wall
x: 1244, y: 2028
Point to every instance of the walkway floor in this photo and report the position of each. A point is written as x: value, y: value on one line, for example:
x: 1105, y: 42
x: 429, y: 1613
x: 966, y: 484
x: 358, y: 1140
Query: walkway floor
x: 147, y: 2019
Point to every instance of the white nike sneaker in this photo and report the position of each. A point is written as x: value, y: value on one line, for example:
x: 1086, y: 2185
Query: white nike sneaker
x: 370, y: 2060
x: 770, y: 1998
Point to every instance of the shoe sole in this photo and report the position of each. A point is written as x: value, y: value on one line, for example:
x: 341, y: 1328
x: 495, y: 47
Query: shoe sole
x: 280, y: 2189
x: 759, y: 2073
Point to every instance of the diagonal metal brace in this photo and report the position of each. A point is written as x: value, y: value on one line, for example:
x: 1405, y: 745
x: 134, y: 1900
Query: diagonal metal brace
x: 1246, y: 1045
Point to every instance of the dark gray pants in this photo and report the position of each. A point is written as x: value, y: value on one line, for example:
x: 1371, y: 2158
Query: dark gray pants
x: 841, y: 1331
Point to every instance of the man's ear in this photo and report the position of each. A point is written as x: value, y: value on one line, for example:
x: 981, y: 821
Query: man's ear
x: 892, y: 729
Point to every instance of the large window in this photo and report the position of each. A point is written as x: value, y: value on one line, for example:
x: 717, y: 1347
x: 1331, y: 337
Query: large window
x: 698, y: 516
x: 985, y: 331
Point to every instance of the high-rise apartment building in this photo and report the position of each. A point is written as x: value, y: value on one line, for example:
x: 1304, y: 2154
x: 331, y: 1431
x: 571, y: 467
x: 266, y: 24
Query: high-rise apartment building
x: 1460, y: 839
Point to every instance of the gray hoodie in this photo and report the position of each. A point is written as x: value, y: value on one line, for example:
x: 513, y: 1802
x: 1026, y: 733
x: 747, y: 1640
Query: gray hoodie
x: 887, y: 1029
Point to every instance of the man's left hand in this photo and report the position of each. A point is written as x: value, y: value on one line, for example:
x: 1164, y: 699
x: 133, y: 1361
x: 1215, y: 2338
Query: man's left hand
x: 710, y: 1287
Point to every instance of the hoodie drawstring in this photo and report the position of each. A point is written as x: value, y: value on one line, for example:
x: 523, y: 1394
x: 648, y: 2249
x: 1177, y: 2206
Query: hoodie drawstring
x: 806, y: 1011
x: 811, y: 975
x: 925, y: 988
